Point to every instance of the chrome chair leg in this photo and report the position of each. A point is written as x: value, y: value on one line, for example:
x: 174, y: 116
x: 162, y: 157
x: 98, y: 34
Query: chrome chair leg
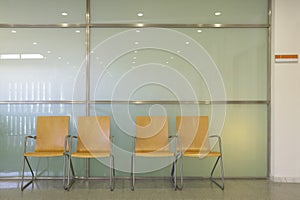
x: 23, y: 170
x: 70, y: 169
x: 132, y: 173
x: 221, y: 186
x: 179, y: 187
x: 112, y: 174
x: 64, y: 172
x: 174, y: 174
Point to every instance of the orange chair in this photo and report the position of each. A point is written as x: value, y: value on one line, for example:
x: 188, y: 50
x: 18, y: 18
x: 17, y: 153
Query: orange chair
x: 50, y: 137
x: 194, y: 139
x: 93, y: 141
x: 151, y: 140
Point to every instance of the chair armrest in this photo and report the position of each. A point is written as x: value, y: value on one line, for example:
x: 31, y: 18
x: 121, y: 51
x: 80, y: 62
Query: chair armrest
x: 71, y: 141
x: 25, y: 141
x: 30, y: 136
x: 219, y: 141
x: 177, y: 144
x: 133, y: 144
x: 215, y: 136
x: 111, y: 138
x: 68, y: 143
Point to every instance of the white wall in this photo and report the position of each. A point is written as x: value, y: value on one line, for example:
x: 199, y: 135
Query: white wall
x: 285, y: 150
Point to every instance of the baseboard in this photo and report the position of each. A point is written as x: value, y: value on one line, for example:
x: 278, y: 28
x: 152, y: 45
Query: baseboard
x: 285, y: 179
x: 128, y: 178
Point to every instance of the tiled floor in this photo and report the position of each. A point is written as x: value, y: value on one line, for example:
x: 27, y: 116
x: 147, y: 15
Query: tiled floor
x: 151, y: 189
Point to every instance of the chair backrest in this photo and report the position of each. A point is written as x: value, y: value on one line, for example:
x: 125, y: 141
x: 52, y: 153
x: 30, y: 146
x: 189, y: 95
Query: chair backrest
x: 93, y: 134
x: 151, y: 133
x: 193, y: 133
x: 51, y: 132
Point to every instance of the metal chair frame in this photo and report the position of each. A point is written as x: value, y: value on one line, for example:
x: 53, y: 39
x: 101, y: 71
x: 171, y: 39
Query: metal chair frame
x: 26, y: 161
x: 68, y: 182
x: 218, y: 160
x: 176, y: 155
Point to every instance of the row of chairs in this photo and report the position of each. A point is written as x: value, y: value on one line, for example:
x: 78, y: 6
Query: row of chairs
x: 94, y: 141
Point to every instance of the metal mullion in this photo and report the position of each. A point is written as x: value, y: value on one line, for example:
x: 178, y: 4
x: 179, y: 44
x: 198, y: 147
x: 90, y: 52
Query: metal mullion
x: 66, y: 25
x: 87, y: 57
x: 269, y: 88
x: 135, y: 102
x: 147, y: 25
x: 133, y: 25
x: 87, y: 14
x: 178, y: 102
x: 43, y: 102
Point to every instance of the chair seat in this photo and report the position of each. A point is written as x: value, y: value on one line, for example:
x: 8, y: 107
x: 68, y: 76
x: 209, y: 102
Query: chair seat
x: 91, y: 154
x: 44, y: 154
x: 195, y: 153
x: 154, y: 153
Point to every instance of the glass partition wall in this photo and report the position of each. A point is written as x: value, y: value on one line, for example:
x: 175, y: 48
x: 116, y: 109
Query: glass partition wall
x: 144, y: 57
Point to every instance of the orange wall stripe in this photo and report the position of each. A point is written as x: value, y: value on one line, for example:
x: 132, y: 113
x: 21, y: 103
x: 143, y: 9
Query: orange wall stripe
x: 287, y: 56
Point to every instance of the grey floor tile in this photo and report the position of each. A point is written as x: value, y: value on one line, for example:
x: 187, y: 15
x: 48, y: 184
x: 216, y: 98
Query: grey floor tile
x: 151, y: 189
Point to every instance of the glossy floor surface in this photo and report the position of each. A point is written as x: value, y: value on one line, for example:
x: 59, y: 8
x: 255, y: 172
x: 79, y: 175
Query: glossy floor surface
x: 151, y: 189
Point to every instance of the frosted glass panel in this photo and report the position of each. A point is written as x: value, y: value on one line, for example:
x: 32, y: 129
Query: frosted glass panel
x: 244, y: 128
x: 42, y: 11
x: 230, y: 62
x: 245, y: 141
x: 241, y: 57
x: 17, y: 121
x: 148, y: 74
x: 244, y: 138
x: 42, y: 64
x: 177, y: 12
x: 137, y: 64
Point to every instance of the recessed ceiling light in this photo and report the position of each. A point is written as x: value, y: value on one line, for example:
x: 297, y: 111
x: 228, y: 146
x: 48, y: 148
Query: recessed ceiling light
x: 48, y: 51
x: 34, y: 43
x: 140, y: 14
x: 136, y: 42
x: 77, y: 31
x: 218, y: 13
x: 64, y: 14
x: 133, y: 62
x: 137, y: 31
x: 9, y: 56
x: 134, y: 58
x: 135, y: 51
x: 32, y: 56
x: 59, y: 58
x: 199, y: 31
x: 13, y: 31
x: 187, y: 42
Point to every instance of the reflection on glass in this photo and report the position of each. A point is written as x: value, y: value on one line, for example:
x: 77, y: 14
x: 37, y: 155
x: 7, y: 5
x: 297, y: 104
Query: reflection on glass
x: 42, y: 12
x: 244, y: 128
x: 180, y: 12
x: 160, y: 70
x: 240, y: 56
x: 42, y: 64
x: 19, y: 120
